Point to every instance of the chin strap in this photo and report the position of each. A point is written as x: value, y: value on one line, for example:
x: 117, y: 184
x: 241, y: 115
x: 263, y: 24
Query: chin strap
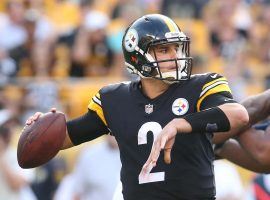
x: 169, y: 75
x: 172, y: 76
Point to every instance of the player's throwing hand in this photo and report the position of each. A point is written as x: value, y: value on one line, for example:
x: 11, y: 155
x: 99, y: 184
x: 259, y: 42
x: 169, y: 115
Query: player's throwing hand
x: 33, y: 118
x: 165, y: 141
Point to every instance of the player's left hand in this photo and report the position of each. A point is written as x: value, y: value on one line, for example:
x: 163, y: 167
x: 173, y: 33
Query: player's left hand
x: 165, y: 140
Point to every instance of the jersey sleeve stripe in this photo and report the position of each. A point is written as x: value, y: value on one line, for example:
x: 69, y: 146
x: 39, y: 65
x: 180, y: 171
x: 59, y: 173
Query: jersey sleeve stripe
x: 98, y: 109
x: 97, y: 100
x: 98, y: 96
x: 218, y: 88
x: 212, y: 86
x: 96, y: 106
x: 212, y: 82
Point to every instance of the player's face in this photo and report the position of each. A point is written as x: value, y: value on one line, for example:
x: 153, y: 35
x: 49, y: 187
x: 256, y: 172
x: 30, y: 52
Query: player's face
x: 166, y: 52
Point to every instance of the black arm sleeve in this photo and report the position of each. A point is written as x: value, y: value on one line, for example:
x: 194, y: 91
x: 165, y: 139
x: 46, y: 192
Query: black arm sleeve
x: 86, y: 127
x: 210, y: 120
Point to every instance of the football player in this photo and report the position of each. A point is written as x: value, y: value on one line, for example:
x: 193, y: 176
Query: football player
x: 166, y: 99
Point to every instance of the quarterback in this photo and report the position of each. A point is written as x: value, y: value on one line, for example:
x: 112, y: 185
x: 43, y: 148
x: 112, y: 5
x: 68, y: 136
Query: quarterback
x: 166, y: 100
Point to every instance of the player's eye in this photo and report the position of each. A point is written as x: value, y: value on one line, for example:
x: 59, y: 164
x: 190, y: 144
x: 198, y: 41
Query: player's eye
x: 163, y: 50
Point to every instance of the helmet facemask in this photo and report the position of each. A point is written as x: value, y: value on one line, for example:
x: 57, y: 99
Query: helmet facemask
x: 178, y: 69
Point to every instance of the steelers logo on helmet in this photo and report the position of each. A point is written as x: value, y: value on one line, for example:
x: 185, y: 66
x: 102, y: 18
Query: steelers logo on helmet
x: 131, y: 40
x: 180, y: 106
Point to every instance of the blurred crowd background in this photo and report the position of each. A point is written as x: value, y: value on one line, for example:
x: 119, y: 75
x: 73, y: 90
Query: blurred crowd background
x: 58, y: 53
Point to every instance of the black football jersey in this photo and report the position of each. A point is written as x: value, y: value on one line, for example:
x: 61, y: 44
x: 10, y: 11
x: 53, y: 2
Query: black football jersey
x: 136, y: 121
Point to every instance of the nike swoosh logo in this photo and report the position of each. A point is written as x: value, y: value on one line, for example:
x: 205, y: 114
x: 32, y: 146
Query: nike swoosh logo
x: 213, y: 76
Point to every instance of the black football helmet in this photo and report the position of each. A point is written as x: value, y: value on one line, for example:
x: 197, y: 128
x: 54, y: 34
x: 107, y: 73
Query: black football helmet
x: 151, y: 30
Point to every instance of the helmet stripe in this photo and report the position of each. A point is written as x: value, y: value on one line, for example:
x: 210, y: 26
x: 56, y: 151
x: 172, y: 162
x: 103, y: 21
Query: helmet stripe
x: 171, y: 25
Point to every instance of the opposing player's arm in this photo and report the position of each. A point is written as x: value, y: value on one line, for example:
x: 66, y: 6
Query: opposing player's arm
x: 257, y: 144
x: 232, y: 151
x: 258, y: 108
x: 254, y: 143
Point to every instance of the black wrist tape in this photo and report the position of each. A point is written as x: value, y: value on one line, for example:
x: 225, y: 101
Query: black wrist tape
x: 210, y: 120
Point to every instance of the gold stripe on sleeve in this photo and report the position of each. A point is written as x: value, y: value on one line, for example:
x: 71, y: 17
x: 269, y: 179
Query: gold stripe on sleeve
x: 212, y: 82
x: 98, y: 95
x: 98, y: 109
x: 217, y: 89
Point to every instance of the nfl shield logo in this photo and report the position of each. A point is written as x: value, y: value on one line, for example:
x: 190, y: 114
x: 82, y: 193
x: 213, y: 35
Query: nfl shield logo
x: 149, y: 108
